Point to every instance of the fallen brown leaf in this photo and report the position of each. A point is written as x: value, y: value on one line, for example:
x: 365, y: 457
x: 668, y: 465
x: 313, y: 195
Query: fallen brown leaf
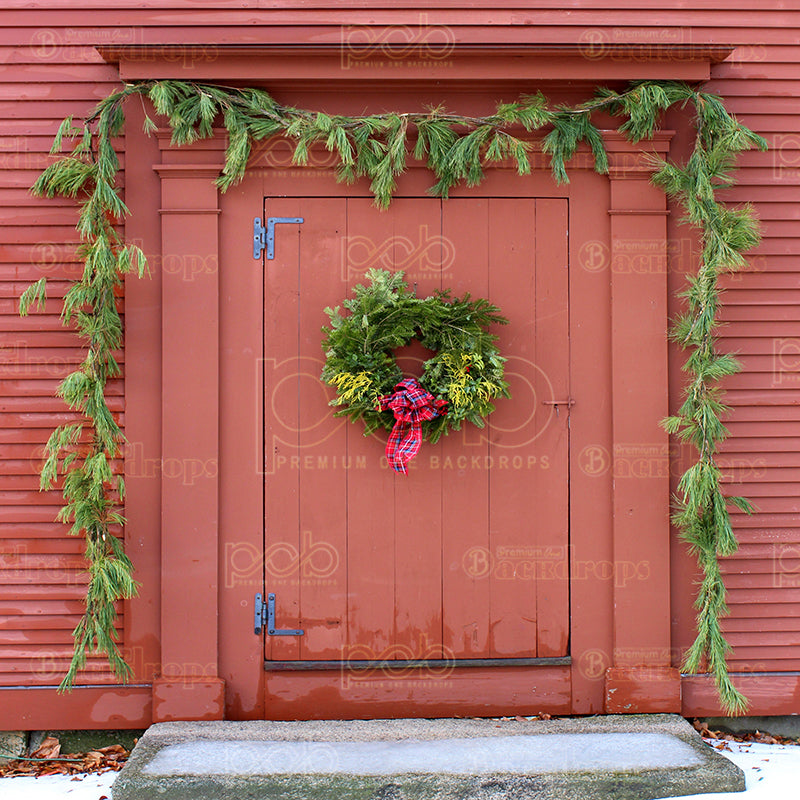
x: 743, y: 738
x: 49, y: 748
x: 104, y: 759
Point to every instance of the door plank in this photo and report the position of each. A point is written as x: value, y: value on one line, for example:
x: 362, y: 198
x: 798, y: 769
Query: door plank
x: 466, y: 559
x: 282, y: 423
x: 322, y: 441
x: 513, y: 503
x: 418, y: 495
x: 552, y: 337
x: 370, y: 517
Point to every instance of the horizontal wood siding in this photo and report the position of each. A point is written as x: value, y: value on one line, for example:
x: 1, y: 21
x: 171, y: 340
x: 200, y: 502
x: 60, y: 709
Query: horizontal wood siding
x: 51, y: 69
x: 762, y: 326
x: 42, y: 570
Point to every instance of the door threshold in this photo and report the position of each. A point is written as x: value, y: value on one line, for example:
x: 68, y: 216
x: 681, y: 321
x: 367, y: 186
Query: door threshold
x: 416, y: 663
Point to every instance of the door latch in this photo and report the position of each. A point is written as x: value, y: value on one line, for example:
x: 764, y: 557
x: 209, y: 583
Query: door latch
x: 265, y: 616
x: 569, y: 402
x: 265, y: 237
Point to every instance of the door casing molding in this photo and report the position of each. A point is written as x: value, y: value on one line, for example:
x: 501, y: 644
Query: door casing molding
x: 196, y: 320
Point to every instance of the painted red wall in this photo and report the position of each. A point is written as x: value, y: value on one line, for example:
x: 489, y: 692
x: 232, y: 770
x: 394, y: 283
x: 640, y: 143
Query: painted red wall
x: 51, y: 68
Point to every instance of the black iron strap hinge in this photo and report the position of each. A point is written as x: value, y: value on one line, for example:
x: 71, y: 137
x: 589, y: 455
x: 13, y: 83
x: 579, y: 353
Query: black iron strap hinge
x: 265, y: 237
x: 265, y: 617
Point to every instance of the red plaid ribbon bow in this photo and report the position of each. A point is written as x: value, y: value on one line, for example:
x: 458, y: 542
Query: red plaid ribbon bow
x: 411, y: 405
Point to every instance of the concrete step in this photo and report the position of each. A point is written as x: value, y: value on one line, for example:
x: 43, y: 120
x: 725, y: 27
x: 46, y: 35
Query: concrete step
x: 620, y: 757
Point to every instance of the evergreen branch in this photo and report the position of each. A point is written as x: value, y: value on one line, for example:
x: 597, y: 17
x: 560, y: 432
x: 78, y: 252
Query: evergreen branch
x: 702, y: 516
x: 110, y: 581
x: 35, y: 294
x: 89, y: 172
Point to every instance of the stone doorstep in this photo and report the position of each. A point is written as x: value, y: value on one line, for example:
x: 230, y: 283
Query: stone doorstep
x: 639, y: 757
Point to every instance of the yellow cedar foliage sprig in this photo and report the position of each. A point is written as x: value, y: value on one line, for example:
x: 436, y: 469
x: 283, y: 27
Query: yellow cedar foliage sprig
x: 354, y: 388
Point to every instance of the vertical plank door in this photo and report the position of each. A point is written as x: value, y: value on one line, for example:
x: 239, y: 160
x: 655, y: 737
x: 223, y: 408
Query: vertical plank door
x: 467, y: 556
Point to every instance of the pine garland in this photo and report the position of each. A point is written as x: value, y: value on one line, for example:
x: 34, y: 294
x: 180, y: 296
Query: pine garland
x: 456, y: 149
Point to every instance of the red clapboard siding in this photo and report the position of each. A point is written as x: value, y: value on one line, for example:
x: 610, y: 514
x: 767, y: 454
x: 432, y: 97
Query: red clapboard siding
x: 52, y: 69
x: 42, y: 570
x: 762, y: 459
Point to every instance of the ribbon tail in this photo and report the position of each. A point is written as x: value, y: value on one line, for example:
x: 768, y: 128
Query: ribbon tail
x: 404, y: 443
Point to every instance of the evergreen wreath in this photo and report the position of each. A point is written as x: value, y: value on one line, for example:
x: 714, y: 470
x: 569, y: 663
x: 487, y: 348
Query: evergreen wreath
x: 456, y: 148
x: 466, y: 371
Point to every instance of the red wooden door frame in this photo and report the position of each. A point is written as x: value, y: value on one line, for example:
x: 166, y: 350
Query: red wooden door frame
x: 617, y: 297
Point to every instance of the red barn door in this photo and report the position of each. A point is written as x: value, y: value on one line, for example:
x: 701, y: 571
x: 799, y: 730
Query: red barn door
x: 467, y: 556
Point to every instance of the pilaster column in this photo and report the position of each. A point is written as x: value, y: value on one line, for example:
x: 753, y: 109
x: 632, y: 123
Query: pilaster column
x: 189, y: 687
x: 640, y: 678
